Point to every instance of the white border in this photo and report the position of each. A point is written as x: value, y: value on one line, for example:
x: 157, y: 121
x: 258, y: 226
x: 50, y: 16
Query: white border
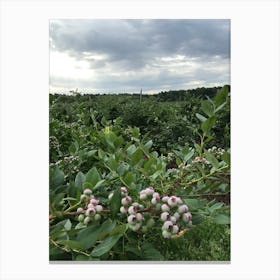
x: 255, y: 138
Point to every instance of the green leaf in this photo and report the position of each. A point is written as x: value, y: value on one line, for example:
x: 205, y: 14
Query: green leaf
x: 221, y: 96
x: 121, y: 229
x: 106, y: 228
x: 129, y: 178
x: 136, y: 156
x: 56, y: 177
x: 189, y: 155
x: 208, y: 124
x: 106, y: 245
x: 92, y: 176
x: 226, y: 157
x: 194, y: 204
x: 212, y: 160
x: 88, y: 236
x: 131, y: 149
x: 115, y: 202
x: 71, y: 244
x: 207, y: 107
x: 215, y: 206
x: 221, y: 219
x: 151, y: 253
x: 98, y: 184
x: 148, y: 145
x: 79, y: 180
x: 112, y: 163
x: 200, y: 117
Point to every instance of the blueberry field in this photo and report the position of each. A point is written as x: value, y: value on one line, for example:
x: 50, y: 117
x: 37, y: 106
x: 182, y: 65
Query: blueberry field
x: 140, y: 177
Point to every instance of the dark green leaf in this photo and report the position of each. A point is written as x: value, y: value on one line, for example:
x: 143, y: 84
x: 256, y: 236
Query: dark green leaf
x: 88, y: 236
x: 221, y: 96
x: 136, y: 156
x: 92, y: 176
x: 207, y: 107
x: 106, y: 245
x: 79, y: 180
x: 221, y: 219
x: 115, y: 202
x: 212, y: 160
x: 208, y: 124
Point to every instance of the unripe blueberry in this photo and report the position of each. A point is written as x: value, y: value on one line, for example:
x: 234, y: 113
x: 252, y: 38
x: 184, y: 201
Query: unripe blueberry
x: 123, y: 210
x: 110, y: 196
x: 154, y: 200
x: 99, y: 208
x: 132, y: 210
x: 87, y: 192
x: 166, y: 234
x: 139, y: 217
x: 156, y: 195
x: 143, y: 196
x: 176, y: 215
x: 165, y: 198
x: 175, y: 229
x: 164, y: 216
x: 94, y: 201
x: 80, y: 210
x: 90, y: 212
x: 168, y: 225
x: 123, y: 190
x: 140, y: 206
x: 87, y: 220
x: 81, y: 217
x: 187, y: 217
x: 97, y: 217
x: 190, y: 223
x: 136, y: 204
x: 172, y: 201
x: 165, y: 208
x: 131, y: 219
x: 158, y: 206
x: 150, y: 191
x: 126, y: 200
x: 173, y: 219
x: 135, y: 227
x: 179, y: 200
x: 84, y: 197
x: 150, y: 222
x: 183, y: 209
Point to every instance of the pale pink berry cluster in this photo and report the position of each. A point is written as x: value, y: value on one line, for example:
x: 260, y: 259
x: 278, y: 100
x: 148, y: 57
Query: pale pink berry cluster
x: 201, y: 160
x: 171, y: 211
x: 92, y: 209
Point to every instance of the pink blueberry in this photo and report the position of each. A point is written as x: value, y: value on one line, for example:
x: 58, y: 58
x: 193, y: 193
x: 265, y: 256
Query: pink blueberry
x: 164, y: 216
x: 87, y: 191
x: 99, y: 208
x: 165, y: 208
x: 131, y: 219
x: 126, y: 200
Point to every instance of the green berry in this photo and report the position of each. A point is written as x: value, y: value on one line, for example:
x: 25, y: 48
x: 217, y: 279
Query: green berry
x: 81, y: 217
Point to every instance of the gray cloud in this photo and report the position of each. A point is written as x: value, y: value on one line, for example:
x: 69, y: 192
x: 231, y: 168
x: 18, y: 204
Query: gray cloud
x: 148, y: 52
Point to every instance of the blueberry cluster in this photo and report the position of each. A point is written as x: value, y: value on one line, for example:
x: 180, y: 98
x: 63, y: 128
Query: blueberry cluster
x: 201, y: 160
x: 170, y: 210
x: 218, y: 152
x: 92, y: 209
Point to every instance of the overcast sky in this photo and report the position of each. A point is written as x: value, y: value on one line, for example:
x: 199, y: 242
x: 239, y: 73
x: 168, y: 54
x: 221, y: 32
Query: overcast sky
x: 116, y: 56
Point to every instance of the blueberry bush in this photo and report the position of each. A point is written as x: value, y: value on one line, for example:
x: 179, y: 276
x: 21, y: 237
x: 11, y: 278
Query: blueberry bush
x: 115, y: 194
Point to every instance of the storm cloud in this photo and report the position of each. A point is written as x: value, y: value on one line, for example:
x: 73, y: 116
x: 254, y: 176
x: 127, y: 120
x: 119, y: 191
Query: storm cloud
x: 111, y: 56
